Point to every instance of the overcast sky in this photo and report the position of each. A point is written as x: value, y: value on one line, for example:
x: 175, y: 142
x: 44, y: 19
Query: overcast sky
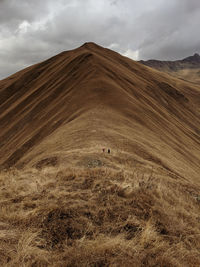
x: 33, y: 30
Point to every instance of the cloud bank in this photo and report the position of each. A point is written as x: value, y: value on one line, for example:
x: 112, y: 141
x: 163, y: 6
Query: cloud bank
x: 31, y: 31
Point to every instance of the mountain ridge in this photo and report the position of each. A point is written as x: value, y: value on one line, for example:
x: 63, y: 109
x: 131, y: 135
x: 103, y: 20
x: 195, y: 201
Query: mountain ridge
x: 99, y: 164
x: 187, y: 68
x: 62, y: 90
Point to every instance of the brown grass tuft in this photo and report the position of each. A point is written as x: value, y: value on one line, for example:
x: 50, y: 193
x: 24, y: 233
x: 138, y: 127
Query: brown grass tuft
x: 98, y: 217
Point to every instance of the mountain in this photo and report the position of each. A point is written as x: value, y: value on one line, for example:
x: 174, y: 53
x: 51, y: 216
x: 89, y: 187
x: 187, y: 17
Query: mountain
x: 187, y: 68
x: 66, y: 201
x: 188, y: 62
x: 193, y: 60
x: 108, y: 99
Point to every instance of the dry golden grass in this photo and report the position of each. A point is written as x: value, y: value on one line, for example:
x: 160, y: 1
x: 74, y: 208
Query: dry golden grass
x: 192, y: 75
x: 98, y: 217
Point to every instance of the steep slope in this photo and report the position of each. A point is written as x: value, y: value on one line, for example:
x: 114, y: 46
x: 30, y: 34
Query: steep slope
x: 186, y: 69
x: 92, y: 97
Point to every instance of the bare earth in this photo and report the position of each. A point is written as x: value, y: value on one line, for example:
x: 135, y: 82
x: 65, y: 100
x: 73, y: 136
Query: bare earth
x: 66, y: 203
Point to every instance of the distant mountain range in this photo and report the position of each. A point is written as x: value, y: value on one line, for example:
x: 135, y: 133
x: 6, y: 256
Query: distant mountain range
x: 188, y: 62
x: 187, y: 68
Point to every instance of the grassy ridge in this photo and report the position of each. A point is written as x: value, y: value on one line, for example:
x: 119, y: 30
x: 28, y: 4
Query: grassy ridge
x: 70, y: 204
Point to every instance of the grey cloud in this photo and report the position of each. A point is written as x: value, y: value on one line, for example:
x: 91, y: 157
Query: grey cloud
x: 13, y: 11
x: 31, y: 31
x: 172, y: 32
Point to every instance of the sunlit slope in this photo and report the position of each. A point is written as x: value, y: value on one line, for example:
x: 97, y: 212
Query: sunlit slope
x: 90, y: 97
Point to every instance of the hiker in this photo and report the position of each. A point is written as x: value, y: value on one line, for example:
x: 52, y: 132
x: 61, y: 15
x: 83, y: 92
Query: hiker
x: 103, y: 149
x: 108, y: 150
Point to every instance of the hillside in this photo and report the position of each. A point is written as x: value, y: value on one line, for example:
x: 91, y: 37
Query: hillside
x: 187, y: 69
x: 94, y: 97
x: 65, y: 202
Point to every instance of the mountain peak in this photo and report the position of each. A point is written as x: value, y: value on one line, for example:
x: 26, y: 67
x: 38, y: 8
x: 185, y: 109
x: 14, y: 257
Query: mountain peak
x: 193, y: 59
x: 64, y: 89
x: 90, y: 45
x: 196, y: 55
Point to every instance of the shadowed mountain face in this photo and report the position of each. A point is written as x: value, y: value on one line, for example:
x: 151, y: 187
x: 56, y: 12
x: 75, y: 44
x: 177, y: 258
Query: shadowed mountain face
x: 91, y: 97
x: 188, y: 62
x: 187, y: 68
x: 193, y: 60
